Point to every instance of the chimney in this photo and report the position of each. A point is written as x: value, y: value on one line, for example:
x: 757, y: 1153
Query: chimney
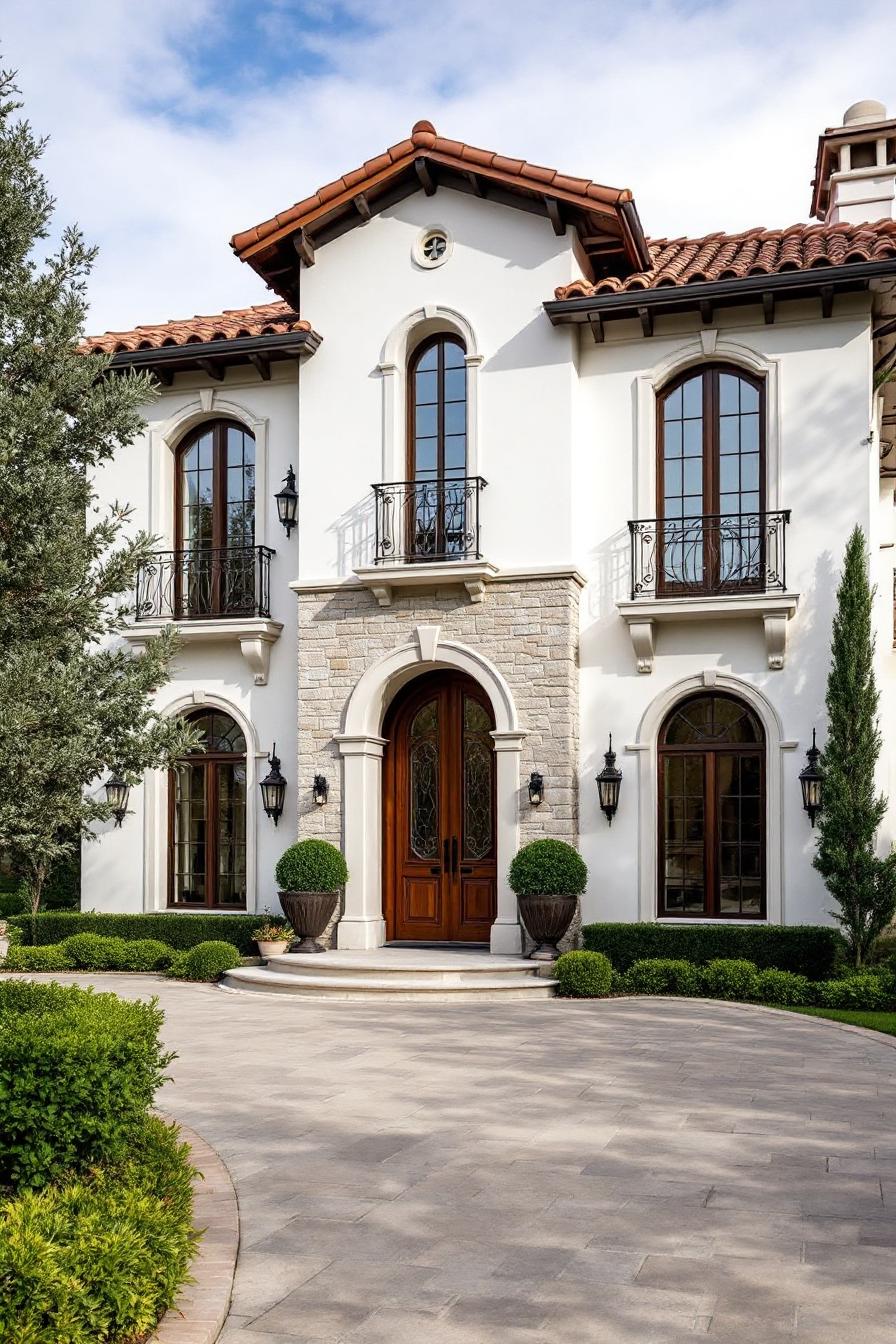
x: 855, y: 171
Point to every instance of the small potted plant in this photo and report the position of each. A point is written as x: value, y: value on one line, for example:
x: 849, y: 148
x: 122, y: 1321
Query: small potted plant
x: 311, y: 875
x: 272, y: 939
x: 548, y: 877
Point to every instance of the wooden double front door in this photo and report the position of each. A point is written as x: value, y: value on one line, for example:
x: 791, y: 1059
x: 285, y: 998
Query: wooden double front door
x: 440, y: 871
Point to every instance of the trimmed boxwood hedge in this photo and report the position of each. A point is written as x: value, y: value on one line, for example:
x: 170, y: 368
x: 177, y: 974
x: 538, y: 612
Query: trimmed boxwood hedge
x: 179, y: 930
x: 806, y: 949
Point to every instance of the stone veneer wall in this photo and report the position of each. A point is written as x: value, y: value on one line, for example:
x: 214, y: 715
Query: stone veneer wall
x: 528, y: 628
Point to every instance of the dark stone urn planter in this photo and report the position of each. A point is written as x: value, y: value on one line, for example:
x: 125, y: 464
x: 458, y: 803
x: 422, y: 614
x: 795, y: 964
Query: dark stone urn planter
x: 309, y: 913
x: 546, y: 919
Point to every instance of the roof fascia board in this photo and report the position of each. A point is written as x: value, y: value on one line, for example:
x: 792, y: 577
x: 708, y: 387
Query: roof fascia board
x: 283, y: 343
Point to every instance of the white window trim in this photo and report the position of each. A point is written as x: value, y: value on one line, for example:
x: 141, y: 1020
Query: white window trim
x: 164, y: 440
x: 706, y: 347
x: 645, y: 747
x: 406, y: 334
x: 155, y: 808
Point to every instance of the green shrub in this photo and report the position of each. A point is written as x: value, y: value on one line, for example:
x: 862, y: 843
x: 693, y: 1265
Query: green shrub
x: 177, y: 966
x: 93, y: 952
x: 12, y: 903
x: 78, y: 1071
x: 311, y: 865
x: 99, y: 1258
x: 178, y: 930
x: 659, y: 975
x: 783, y: 987
x: 864, y: 990
x: 583, y: 975
x: 548, y: 868
x: 146, y: 954
x: 730, y: 979
x: 206, y: 961
x: 808, y: 950
x: 51, y: 958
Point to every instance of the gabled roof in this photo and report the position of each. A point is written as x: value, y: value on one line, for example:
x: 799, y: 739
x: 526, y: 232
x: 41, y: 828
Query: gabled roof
x: 605, y: 217
x: 732, y: 256
x: 263, y: 319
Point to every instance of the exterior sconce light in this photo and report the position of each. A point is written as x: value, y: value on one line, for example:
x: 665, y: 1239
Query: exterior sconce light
x: 608, y: 784
x: 117, y: 793
x: 288, y: 501
x: 273, y: 788
x: 811, y: 782
x: 320, y: 790
x: 536, y: 788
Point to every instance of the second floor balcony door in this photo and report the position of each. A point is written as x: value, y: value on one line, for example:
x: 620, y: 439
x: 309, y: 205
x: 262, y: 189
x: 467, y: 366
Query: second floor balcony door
x: 438, y: 522
x: 711, y: 528
x: 215, y: 522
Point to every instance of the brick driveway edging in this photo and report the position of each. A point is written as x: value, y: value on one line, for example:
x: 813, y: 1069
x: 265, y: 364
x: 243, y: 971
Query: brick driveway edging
x: 200, y: 1311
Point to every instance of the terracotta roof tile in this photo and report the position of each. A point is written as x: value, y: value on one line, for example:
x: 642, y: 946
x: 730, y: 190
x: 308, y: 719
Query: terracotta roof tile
x: 264, y: 319
x: 720, y: 256
x: 424, y: 140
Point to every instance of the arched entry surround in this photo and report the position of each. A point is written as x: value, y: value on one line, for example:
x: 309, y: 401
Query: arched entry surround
x: 646, y: 747
x: 361, y: 743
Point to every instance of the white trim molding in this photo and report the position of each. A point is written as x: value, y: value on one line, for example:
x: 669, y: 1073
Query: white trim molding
x: 155, y: 804
x: 404, y: 336
x: 361, y: 747
x: 645, y: 747
x: 773, y: 609
x: 255, y: 635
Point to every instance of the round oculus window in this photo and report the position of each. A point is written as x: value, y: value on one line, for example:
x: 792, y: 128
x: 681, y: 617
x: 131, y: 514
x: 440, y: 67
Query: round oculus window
x: 432, y: 248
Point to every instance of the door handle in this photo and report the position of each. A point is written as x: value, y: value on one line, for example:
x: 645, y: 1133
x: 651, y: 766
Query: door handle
x: 454, y: 848
x: 435, y: 869
x: 446, y: 855
x: 466, y: 868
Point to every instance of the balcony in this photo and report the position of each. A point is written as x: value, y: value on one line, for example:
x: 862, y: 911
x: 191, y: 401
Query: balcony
x: 427, y: 532
x: 211, y: 594
x: 717, y: 565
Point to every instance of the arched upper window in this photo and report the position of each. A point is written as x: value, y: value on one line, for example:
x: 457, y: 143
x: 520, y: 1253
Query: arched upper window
x: 215, y: 488
x: 437, y: 404
x: 712, y: 810
x: 207, y: 817
x: 711, y: 481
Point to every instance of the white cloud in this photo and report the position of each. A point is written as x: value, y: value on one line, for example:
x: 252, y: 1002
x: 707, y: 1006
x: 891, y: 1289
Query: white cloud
x: 709, y: 112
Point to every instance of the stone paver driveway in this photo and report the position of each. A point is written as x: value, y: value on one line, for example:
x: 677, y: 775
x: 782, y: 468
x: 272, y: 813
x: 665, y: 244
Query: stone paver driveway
x: 641, y: 1171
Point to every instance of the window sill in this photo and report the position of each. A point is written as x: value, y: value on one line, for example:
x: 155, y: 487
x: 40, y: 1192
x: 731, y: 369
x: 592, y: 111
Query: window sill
x: 255, y: 635
x: 471, y: 574
x: 773, y: 609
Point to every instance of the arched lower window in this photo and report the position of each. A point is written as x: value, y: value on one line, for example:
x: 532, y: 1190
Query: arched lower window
x: 207, y: 817
x: 711, y: 481
x: 215, y: 521
x: 712, y: 810
x: 438, y: 495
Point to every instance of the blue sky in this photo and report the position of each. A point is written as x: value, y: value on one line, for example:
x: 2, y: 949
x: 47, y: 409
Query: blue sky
x: 175, y: 123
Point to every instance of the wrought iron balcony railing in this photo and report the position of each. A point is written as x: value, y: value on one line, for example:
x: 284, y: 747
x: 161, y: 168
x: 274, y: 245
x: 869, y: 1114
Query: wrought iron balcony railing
x: 205, y: 583
x: 419, y: 521
x: 712, y: 555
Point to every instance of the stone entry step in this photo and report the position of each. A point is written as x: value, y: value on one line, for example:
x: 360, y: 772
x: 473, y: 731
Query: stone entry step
x: 397, y: 973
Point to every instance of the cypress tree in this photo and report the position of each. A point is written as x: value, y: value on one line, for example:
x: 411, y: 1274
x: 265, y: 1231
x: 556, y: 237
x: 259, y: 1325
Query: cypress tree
x: 862, y: 884
x: 74, y: 701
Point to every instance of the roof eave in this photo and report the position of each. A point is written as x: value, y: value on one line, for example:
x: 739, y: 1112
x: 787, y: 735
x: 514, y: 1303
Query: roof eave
x: 220, y: 354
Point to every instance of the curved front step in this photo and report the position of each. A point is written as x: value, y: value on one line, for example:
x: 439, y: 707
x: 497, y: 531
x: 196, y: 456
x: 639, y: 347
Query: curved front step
x: 405, y: 967
x: 432, y: 987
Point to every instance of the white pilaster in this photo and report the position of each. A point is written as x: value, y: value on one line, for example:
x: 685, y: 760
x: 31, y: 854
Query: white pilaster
x: 362, y: 925
x: 506, y: 935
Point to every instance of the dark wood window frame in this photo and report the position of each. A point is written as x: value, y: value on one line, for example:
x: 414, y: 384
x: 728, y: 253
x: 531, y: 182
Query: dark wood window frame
x: 711, y: 471
x: 440, y: 339
x: 708, y: 752
x: 219, y: 430
x: 211, y: 761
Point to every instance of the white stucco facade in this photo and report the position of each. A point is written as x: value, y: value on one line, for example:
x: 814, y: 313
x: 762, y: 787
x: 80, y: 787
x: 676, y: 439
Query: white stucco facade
x: 563, y: 429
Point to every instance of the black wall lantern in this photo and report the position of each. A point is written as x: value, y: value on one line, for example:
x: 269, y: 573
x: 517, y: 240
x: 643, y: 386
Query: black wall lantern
x: 608, y: 782
x: 117, y: 793
x: 320, y: 789
x: 811, y: 782
x: 536, y: 788
x: 288, y: 501
x: 273, y: 788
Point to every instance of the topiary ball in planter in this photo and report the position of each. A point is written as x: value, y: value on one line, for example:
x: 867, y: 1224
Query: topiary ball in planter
x: 310, y: 874
x: 548, y: 876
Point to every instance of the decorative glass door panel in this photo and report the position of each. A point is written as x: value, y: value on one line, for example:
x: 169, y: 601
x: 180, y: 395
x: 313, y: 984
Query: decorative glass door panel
x: 440, y: 879
x: 712, y: 810
x: 207, y: 818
